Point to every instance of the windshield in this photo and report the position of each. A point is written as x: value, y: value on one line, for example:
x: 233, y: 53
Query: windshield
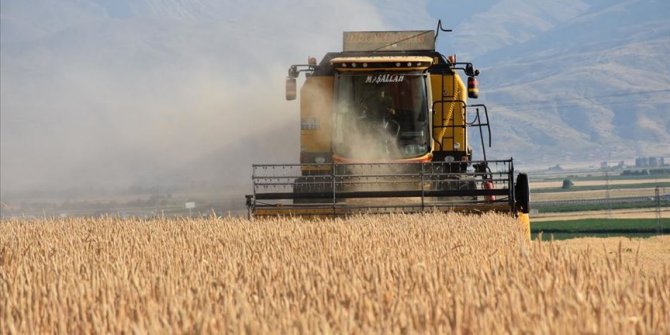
x: 381, y: 116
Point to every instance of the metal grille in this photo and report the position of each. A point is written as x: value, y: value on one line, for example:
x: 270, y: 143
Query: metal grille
x: 382, y: 187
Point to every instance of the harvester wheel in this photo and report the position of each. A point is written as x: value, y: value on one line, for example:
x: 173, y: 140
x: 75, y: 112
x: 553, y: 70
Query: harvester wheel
x: 522, y: 193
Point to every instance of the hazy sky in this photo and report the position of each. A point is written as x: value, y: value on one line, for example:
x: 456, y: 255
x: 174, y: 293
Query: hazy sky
x: 106, y: 94
x: 102, y: 95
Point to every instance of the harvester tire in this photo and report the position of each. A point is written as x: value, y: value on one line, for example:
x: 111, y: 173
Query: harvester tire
x: 522, y: 193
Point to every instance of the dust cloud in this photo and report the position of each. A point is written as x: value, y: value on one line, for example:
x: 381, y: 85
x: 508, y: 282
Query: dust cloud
x: 100, y: 98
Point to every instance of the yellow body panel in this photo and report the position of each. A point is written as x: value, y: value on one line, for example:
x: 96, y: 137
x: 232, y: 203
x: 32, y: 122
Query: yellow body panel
x: 316, y: 108
x: 451, y: 113
x: 524, y: 221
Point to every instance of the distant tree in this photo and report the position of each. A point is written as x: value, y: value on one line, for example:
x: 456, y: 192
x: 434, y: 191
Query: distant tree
x: 567, y: 184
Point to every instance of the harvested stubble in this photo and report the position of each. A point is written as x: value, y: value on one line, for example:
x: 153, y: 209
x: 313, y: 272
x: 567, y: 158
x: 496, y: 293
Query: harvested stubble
x: 390, y: 274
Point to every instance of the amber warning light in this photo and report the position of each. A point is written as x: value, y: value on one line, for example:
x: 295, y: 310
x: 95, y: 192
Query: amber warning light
x: 473, y: 88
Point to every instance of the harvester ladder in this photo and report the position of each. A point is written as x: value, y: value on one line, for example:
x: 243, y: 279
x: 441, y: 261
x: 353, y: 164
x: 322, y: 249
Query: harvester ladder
x: 449, y: 122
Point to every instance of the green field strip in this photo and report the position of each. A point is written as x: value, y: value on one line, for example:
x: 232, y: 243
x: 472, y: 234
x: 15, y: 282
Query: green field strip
x: 603, y: 178
x: 598, y: 187
x: 602, y: 226
x: 603, y: 205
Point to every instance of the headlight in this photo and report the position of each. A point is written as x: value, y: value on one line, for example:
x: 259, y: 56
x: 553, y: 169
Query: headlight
x: 319, y: 159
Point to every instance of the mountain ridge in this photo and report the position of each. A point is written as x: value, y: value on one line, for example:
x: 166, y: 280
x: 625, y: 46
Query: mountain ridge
x: 590, y: 96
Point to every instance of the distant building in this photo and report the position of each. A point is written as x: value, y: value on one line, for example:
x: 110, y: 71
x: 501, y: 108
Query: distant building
x: 641, y: 162
x: 555, y: 168
x: 651, y: 162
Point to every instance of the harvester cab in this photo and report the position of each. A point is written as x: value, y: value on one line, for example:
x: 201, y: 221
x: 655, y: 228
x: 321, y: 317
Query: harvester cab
x: 385, y: 128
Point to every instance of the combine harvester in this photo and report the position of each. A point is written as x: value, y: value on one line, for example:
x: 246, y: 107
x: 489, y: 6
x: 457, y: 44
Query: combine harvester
x: 384, y: 129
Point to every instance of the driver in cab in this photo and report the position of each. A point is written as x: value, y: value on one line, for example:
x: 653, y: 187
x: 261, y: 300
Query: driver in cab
x: 380, y: 106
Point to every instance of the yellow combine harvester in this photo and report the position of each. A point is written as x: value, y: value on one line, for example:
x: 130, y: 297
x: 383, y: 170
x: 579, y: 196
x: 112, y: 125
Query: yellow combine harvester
x: 384, y: 128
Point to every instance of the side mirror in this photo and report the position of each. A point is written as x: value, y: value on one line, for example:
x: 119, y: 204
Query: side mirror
x: 290, y: 88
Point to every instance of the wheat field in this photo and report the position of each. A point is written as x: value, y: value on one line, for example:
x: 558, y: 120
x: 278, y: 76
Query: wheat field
x: 434, y: 273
